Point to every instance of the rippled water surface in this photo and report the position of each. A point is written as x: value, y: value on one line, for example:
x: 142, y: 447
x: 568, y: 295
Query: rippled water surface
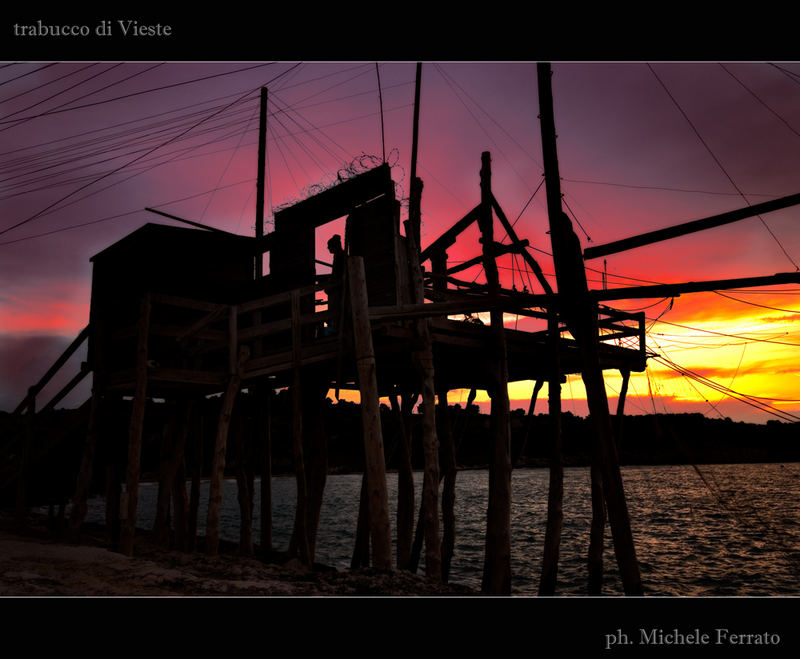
x: 714, y: 530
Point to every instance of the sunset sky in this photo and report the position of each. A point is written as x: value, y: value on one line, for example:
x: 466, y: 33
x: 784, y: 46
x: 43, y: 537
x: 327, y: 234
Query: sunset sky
x: 86, y: 146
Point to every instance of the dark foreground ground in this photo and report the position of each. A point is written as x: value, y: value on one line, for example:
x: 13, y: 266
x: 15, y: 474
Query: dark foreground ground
x: 32, y: 564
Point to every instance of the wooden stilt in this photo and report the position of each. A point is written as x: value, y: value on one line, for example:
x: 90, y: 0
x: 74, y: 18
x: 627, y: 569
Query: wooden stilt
x: 597, y: 537
x: 112, y: 505
x: 24, y: 460
x: 299, y: 541
x: 244, y: 491
x: 180, y: 506
x: 265, y: 398
x: 172, y: 459
x: 405, y: 487
x: 497, y: 560
x: 197, y: 472
x: 130, y: 497
x: 313, y: 408
x: 361, y: 548
x: 221, y: 442
x: 580, y: 312
x: 167, y: 448
x: 555, y: 515
x: 422, y: 358
x: 448, y: 465
x: 218, y: 467
x: 79, y: 501
x: 537, y: 387
x: 375, y: 467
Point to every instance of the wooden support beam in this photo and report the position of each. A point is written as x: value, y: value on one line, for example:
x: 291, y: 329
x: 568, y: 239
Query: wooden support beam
x: 499, y: 250
x: 497, y: 558
x: 199, y: 225
x: 674, y: 290
x: 197, y: 473
x: 422, y: 359
x: 218, y: 467
x: 336, y: 201
x: 537, y: 387
x: 447, y: 452
x: 449, y: 237
x: 405, y: 481
x: 264, y: 416
x: 221, y: 441
x: 555, y: 493
x: 244, y: 487
x: 532, y: 262
x: 35, y: 389
x: 262, y: 158
x: 375, y: 467
x: 690, y: 227
x: 130, y: 497
x: 84, y: 480
x: 24, y: 460
x: 580, y: 312
x: 299, y: 541
x: 67, y: 388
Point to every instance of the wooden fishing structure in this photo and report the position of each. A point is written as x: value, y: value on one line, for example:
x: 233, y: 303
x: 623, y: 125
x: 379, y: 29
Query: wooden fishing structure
x: 187, y: 315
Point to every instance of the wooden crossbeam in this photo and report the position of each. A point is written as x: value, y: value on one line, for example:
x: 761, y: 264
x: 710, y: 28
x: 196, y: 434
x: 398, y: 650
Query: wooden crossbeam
x: 689, y: 227
x: 449, y: 237
x: 35, y: 389
x: 499, y: 250
x: 674, y: 290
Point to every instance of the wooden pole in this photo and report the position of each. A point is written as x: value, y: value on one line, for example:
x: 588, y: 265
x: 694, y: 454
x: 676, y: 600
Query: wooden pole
x: 221, y: 441
x: 361, y: 548
x: 80, y: 500
x: 197, y: 472
x: 580, y: 312
x: 129, y: 498
x: 262, y: 153
x: 447, y: 450
x: 266, y: 471
x: 448, y: 466
x: 375, y: 467
x: 244, y: 491
x: 405, y: 487
x: 168, y: 441
x: 497, y: 559
x: 218, y: 467
x: 597, y: 533
x: 555, y: 496
x: 537, y: 387
x: 299, y: 541
x: 422, y: 358
x: 314, y: 411
x: 414, y: 217
x: 24, y: 460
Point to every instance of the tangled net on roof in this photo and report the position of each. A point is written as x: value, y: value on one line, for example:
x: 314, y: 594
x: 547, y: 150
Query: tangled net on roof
x: 358, y: 165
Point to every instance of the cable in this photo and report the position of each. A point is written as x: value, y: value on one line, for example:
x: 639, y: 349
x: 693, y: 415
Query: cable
x: 722, y: 168
x: 148, y: 91
x: 41, y: 68
x: 208, y: 117
x: 124, y: 214
x: 664, y: 189
x: 760, y: 100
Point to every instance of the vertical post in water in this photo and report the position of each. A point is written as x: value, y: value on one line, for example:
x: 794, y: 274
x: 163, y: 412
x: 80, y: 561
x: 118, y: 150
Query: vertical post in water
x: 580, y: 313
x: 135, y: 430
x: 555, y: 496
x: 497, y: 560
x: 375, y: 466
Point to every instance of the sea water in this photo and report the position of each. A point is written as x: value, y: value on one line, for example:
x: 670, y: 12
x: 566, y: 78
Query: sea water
x: 711, y: 530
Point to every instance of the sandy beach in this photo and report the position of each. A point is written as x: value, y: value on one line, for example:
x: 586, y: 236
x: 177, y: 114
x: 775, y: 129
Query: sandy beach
x: 33, y: 564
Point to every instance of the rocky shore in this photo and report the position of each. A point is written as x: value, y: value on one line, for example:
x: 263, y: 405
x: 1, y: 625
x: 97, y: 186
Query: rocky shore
x: 33, y: 564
